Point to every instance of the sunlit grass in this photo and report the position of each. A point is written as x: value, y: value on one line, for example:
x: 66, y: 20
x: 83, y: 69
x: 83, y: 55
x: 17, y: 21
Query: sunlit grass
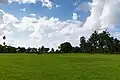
x: 59, y: 67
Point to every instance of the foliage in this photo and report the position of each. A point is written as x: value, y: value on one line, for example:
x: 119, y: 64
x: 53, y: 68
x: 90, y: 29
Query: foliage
x: 65, y: 47
x: 96, y: 43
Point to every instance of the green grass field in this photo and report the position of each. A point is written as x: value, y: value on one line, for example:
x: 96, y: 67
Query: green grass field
x: 59, y: 67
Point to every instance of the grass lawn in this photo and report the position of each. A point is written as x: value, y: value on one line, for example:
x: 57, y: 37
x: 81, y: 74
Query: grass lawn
x: 59, y: 67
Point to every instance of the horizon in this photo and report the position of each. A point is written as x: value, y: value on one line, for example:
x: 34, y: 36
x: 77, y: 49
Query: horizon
x: 33, y: 23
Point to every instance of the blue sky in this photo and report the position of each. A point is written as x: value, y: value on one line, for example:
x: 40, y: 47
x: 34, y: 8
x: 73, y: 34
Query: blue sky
x: 33, y: 23
x: 64, y: 12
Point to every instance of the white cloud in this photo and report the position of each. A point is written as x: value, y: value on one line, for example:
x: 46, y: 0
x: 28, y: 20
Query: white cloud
x: 35, y: 32
x: 31, y: 31
x: 45, y: 3
x: 57, y: 6
x: 22, y: 1
x: 8, y: 18
x: 23, y: 9
x: 49, y: 4
x: 75, y: 16
x: 33, y: 15
x: 104, y: 14
x: 29, y: 20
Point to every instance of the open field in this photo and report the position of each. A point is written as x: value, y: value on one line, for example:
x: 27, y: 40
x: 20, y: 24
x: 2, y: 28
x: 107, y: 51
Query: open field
x: 59, y: 67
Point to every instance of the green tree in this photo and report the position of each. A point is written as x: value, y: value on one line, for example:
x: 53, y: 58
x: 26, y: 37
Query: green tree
x: 76, y: 49
x: 46, y: 50
x: 82, y: 44
x: 42, y: 49
x: 116, y: 46
x: 65, y: 47
x: 28, y: 50
x: 21, y: 49
x: 52, y: 50
x: 105, y: 42
x: 93, y: 40
x: 39, y: 50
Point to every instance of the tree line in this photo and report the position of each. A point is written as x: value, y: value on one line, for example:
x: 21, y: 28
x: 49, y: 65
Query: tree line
x: 96, y: 43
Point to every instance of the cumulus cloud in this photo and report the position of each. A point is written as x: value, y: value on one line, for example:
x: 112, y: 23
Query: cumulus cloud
x: 35, y: 32
x: 75, y: 16
x: 45, y: 3
x: 51, y: 31
x: 104, y: 14
x: 8, y: 18
x: 49, y: 4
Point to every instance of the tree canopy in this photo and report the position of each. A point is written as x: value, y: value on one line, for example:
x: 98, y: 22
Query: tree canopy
x: 96, y: 43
